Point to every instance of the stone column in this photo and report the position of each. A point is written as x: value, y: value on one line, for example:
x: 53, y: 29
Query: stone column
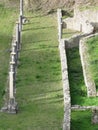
x: 11, y: 85
x: 21, y: 14
x: 15, y: 51
x: 11, y: 80
x: 20, y: 23
x: 13, y: 57
x: 59, y: 16
x: 12, y: 105
x: 21, y: 8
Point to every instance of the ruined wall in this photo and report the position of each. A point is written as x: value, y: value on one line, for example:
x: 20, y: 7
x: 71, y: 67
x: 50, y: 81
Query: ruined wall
x: 74, y: 40
x: 89, y: 82
x: 71, y: 42
x: 80, y: 40
x: 66, y: 89
x: 84, y: 21
x: 64, y: 44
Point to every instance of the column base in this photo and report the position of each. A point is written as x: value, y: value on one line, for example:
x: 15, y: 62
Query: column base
x: 11, y: 107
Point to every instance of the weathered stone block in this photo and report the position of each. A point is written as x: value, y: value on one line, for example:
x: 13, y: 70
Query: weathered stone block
x: 94, y: 116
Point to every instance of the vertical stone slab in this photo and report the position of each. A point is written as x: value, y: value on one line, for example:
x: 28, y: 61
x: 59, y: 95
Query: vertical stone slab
x: 11, y: 80
x: 13, y: 57
x: 59, y: 17
x: 12, y: 105
x: 11, y: 91
x: 21, y: 15
x: 14, y: 52
x: 20, y: 23
x: 21, y: 8
x: 18, y: 35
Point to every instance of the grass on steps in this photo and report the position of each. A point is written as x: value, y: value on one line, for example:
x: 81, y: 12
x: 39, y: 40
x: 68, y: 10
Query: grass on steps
x: 39, y: 74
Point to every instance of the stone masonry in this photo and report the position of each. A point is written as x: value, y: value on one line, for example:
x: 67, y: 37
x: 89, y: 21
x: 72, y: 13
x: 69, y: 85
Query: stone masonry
x: 89, y: 82
x: 84, y: 21
x: 66, y: 89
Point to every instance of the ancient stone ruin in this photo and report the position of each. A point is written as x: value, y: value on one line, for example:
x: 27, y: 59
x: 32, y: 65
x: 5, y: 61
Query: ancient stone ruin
x: 86, y: 22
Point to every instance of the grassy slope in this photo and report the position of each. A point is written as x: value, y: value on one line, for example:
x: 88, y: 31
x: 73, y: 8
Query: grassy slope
x: 39, y: 87
x: 39, y: 75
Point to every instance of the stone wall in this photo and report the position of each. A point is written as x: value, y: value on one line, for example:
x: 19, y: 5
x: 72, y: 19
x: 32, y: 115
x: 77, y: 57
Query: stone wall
x: 74, y: 40
x: 78, y: 107
x: 89, y: 82
x: 64, y: 44
x: 84, y: 21
x: 66, y: 89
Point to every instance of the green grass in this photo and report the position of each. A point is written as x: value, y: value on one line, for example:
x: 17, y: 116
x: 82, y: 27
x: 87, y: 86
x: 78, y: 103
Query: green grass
x: 81, y: 120
x: 39, y: 75
x: 77, y: 86
x: 92, y: 45
x: 39, y: 87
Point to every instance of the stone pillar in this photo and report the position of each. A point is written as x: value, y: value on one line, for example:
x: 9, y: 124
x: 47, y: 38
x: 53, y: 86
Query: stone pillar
x: 15, y: 51
x: 13, y: 57
x: 11, y: 91
x: 59, y: 16
x: 12, y: 105
x: 21, y: 15
x: 21, y: 8
x: 11, y: 79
